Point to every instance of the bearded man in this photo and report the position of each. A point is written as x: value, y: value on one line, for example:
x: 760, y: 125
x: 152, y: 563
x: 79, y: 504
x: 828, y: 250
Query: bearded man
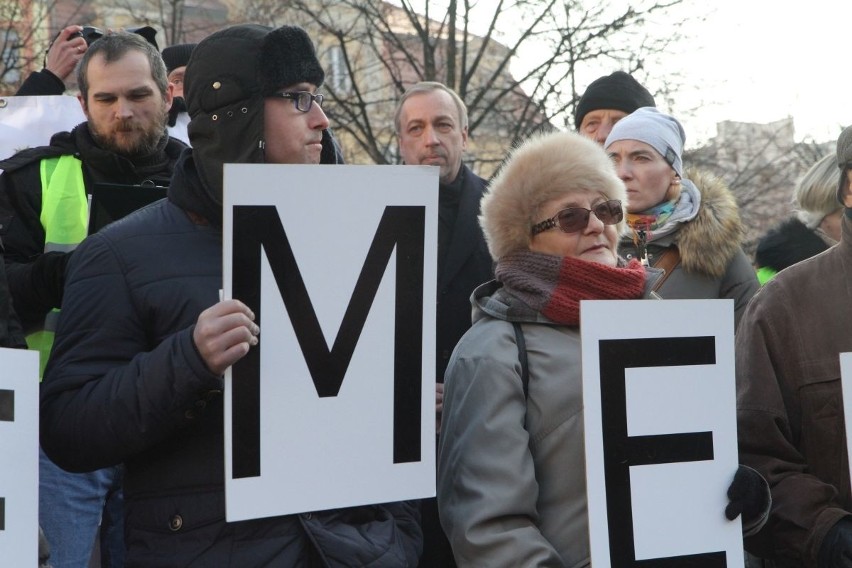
x: 126, y: 96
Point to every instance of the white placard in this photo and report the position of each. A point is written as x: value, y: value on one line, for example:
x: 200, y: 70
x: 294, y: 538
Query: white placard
x: 19, y: 461
x: 310, y: 230
x: 846, y: 389
x: 660, y: 416
x: 27, y: 122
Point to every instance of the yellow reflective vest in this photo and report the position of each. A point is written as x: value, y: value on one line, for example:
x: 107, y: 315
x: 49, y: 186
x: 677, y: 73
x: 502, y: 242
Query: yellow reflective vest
x: 65, y: 218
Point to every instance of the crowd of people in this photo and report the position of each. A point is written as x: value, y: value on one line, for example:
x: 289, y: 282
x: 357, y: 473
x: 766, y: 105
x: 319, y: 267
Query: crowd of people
x: 134, y: 344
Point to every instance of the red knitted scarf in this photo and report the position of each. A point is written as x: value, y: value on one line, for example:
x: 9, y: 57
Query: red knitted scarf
x: 555, y: 286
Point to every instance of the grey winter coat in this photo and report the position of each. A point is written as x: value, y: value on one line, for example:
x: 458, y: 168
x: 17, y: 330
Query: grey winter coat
x: 511, y: 471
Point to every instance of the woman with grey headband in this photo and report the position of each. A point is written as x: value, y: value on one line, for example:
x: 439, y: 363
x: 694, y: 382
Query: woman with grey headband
x: 684, y: 222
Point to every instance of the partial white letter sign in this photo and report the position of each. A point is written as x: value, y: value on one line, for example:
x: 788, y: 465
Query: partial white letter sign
x: 335, y: 407
x: 661, y: 444
x: 19, y: 461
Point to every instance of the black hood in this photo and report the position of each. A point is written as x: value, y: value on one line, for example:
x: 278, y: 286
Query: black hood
x: 786, y: 244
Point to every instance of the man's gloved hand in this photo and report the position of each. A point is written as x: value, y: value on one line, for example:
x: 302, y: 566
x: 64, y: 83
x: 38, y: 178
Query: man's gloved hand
x: 836, y: 548
x: 748, y: 495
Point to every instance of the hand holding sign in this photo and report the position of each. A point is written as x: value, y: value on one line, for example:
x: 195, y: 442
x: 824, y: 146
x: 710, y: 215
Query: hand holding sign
x: 224, y: 333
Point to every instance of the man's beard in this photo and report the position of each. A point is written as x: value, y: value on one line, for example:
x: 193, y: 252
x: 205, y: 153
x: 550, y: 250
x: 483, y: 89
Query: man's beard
x: 144, y: 144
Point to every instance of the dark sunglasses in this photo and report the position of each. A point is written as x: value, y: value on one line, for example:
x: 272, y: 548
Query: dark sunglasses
x: 575, y: 219
x: 303, y: 100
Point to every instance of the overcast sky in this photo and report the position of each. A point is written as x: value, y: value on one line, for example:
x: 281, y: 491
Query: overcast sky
x: 760, y: 61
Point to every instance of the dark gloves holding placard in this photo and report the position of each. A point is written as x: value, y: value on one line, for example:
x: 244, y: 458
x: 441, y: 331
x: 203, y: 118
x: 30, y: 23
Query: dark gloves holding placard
x: 748, y: 495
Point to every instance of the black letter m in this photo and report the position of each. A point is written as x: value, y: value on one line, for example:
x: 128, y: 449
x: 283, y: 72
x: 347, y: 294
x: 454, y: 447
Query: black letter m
x: 400, y: 228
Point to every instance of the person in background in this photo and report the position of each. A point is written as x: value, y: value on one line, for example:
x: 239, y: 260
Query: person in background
x: 431, y: 125
x: 687, y: 223
x: 136, y: 374
x: 63, y: 54
x: 607, y: 100
x: 43, y: 216
x: 789, y: 399
x: 813, y: 228
x: 176, y: 57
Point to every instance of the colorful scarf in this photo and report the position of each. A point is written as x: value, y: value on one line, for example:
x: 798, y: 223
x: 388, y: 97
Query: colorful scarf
x: 554, y: 286
x: 652, y: 219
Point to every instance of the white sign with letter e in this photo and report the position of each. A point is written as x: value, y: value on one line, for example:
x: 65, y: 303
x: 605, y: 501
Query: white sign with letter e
x: 661, y: 444
x: 19, y: 457
x: 335, y: 407
x: 846, y: 386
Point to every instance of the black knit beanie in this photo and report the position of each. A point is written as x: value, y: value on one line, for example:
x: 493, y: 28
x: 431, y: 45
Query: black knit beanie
x: 286, y: 58
x: 619, y: 91
x: 177, y: 55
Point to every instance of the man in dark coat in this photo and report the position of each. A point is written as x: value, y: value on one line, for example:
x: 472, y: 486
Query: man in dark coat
x: 143, y: 341
x: 790, y: 407
x: 43, y: 212
x: 431, y: 124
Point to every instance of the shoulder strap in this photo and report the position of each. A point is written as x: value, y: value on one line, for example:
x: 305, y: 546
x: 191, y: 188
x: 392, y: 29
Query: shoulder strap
x: 667, y: 261
x: 522, y: 357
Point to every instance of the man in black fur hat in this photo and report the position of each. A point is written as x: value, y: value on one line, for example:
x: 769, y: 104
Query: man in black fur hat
x: 137, y: 378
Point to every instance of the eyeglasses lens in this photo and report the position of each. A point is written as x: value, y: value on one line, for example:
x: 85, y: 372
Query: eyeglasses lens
x: 575, y: 219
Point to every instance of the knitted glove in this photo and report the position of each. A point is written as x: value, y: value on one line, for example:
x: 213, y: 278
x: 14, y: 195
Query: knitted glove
x: 836, y: 548
x: 748, y: 495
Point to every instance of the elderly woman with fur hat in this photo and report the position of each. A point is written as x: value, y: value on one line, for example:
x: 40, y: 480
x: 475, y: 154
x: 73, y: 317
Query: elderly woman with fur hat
x: 689, y: 225
x: 511, y: 482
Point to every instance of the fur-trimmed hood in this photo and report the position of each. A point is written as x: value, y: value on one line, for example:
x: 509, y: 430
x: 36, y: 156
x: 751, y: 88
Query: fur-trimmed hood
x: 708, y: 242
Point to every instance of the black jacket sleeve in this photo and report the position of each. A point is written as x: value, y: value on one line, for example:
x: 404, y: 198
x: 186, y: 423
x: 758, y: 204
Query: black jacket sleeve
x: 11, y: 333
x: 41, y: 83
x: 35, y: 279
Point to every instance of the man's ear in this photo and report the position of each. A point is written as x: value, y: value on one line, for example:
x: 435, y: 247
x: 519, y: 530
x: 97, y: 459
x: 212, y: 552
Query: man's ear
x: 464, y: 138
x: 83, y: 104
x: 847, y: 191
x: 169, y: 95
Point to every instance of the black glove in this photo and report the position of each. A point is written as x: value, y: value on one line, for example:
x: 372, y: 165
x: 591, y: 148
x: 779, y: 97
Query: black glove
x: 48, y: 276
x: 836, y: 548
x: 748, y: 495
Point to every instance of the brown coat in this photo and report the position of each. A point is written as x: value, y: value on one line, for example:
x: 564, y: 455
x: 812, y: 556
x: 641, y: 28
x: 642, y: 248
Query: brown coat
x: 789, y: 405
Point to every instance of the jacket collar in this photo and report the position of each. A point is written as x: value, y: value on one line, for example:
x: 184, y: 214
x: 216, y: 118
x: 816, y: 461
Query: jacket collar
x: 466, y: 232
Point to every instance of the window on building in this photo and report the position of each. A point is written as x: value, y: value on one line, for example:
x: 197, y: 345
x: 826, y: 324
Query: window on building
x: 10, y: 56
x: 338, y: 79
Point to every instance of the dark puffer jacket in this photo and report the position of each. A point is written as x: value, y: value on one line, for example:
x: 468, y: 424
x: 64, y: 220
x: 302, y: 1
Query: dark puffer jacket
x: 125, y: 383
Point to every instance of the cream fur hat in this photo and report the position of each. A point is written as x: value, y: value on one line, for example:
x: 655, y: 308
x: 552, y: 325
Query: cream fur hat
x: 542, y: 168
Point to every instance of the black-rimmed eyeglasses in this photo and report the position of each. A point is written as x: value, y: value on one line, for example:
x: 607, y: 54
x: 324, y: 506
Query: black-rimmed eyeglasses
x: 302, y: 100
x: 573, y: 219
